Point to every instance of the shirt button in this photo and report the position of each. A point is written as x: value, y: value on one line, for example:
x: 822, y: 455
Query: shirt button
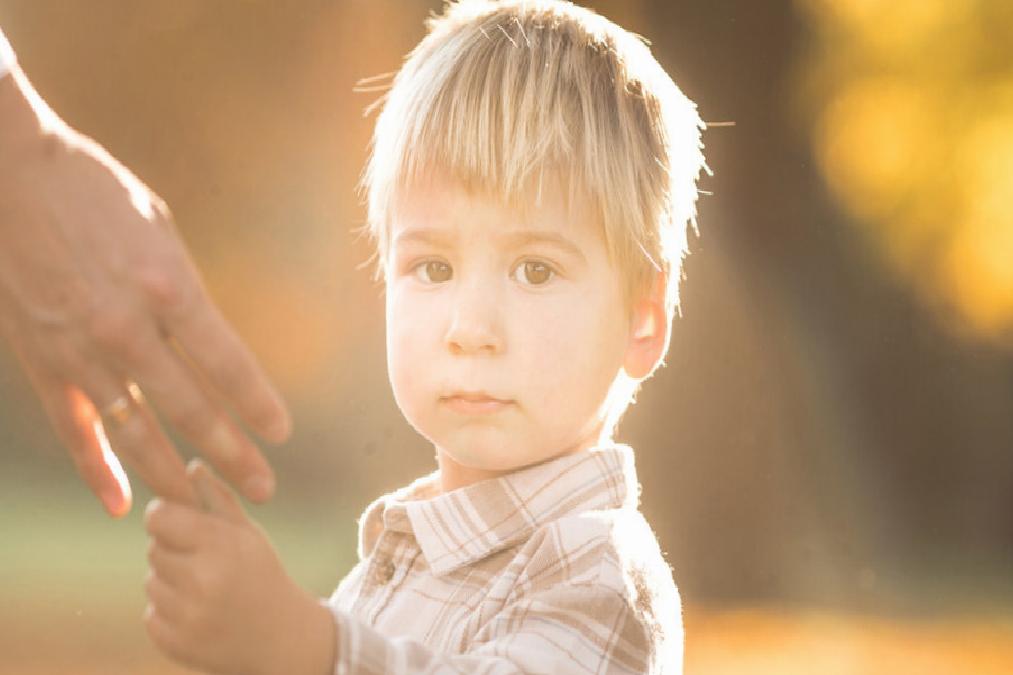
x: 383, y: 572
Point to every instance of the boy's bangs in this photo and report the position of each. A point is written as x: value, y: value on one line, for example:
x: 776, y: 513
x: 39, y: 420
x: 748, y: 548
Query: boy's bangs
x: 506, y: 96
x: 501, y: 119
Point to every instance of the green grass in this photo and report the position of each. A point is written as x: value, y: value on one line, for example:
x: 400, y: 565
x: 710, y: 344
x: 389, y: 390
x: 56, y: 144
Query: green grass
x: 55, y: 539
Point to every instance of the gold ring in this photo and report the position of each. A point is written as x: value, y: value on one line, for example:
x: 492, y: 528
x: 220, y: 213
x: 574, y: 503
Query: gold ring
x: 120, y: 409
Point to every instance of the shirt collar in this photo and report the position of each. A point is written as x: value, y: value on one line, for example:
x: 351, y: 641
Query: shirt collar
x: 465, y: 525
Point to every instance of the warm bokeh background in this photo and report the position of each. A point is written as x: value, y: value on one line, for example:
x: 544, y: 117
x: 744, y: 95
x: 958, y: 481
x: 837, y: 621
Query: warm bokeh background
x: 828, y: 456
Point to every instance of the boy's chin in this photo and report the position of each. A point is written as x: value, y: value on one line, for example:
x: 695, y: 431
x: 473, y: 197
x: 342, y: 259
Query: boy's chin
x: 476, y: 460
x: 484, y: 452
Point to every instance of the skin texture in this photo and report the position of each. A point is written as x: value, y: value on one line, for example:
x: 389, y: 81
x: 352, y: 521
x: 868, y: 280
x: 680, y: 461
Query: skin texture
x: 472, y: 307
x: 96, y: 291
x: 218, y: 597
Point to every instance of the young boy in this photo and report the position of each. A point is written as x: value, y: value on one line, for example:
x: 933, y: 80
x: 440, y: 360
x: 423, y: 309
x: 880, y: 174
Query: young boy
x: 532, y: 176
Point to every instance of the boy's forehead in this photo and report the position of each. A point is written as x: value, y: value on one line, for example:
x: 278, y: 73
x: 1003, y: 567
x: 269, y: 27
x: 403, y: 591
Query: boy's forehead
x: 440, y: 203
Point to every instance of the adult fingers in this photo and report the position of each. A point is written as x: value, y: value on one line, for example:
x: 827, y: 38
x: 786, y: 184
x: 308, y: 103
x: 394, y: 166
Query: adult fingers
x: 210, y: 342
x: 74, y: 419
x: 133, y: 431
x: 175, y: 526
x: 215, y: 495
x: 175, y: 391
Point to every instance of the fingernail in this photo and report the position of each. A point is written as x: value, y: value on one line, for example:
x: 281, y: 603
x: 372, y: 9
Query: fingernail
x: 259, y: 488
x: 205, y: 491
x: 224, y: 443
x: 152, y: 504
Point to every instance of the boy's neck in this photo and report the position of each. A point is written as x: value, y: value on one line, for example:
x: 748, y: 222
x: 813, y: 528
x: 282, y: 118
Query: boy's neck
x: 454, y: 475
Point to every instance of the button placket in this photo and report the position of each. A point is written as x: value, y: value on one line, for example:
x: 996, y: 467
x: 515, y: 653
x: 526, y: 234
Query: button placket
x: 383, y: 571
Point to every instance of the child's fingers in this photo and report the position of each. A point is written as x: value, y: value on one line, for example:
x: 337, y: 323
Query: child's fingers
x: 173, y: 567
x: 161, y: 633
x: 215, y: 495
x: 175, y: 526
x: 163, y: 598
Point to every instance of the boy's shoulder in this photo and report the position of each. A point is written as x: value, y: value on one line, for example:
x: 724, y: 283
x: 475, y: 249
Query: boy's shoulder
x: 608, y: 553
x: 612, y: 548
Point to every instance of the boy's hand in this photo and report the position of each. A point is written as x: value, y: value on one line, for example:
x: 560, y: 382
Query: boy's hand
x: 218, y: 597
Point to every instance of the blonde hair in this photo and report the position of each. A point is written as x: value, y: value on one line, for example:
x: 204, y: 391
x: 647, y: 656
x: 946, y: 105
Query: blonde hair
x: 499, y: 94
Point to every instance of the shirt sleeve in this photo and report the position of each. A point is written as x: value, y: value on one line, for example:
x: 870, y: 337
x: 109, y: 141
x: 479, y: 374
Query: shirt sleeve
x: 564, y: 630
x: 6, y: 55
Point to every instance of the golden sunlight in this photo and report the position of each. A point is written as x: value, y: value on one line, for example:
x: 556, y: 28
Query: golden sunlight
x: 912, y: 112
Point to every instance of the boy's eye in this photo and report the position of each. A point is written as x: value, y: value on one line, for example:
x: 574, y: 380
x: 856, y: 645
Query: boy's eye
x: 533, y: 273
x: 433, y: 271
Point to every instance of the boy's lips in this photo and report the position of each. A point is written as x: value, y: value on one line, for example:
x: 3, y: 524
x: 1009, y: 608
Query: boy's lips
x: 474, y: 402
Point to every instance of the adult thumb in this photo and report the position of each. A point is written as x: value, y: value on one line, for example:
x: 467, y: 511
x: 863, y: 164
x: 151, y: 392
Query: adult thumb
x: 216, y: 497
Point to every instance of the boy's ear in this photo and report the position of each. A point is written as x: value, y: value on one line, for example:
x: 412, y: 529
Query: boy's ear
x: 648, y: 331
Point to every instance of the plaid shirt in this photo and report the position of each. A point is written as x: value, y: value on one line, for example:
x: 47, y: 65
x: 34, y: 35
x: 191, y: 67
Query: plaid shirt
x: 550, y: 569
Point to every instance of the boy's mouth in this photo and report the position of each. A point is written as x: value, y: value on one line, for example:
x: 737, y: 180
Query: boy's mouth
x: 474, y: 402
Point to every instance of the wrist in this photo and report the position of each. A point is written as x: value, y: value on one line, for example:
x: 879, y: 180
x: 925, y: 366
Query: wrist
x: 310, y: 647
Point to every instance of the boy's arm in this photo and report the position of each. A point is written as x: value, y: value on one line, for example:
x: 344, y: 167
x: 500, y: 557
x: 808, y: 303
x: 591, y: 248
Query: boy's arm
x: 569, y: 629
x: 219, y: 599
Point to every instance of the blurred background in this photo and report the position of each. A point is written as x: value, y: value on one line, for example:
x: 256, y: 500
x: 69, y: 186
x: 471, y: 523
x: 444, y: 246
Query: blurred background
x: 827, y: 458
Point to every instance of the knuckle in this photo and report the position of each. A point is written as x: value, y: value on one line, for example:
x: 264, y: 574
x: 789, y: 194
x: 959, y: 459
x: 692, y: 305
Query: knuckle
x: 160, y: 287
x: 194, y: 419
x: 112, y: 326
x: 168, y: 291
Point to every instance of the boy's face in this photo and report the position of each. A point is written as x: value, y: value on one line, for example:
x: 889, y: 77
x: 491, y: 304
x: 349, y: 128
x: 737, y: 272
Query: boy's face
x: 504, y: 332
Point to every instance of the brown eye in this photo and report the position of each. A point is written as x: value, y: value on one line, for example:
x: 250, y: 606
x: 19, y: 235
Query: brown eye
x: 433, y: 272
x: 534, y: 273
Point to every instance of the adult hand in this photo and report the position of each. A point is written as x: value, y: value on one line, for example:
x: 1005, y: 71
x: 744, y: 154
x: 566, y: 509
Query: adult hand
x: 218, y: 597
x: 101, y: 302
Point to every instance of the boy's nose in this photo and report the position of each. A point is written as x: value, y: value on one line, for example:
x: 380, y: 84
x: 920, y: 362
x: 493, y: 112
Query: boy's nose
x: 474, y: 324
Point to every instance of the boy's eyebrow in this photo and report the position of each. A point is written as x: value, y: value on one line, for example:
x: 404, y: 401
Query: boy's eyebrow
x: 525, y: 237
x: 515, y: 239
x: 424, y: 235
